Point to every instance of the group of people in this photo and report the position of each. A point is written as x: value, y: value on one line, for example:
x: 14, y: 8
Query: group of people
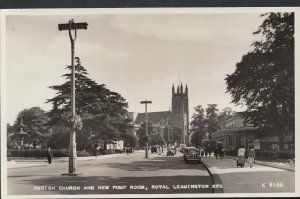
x: 204, y: 151
x: 127, y: 150
x: 207, y: 150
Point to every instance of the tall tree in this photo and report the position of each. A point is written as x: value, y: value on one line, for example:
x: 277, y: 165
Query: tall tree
x: 264, y: 78
x: 155, y: 136
x: 224, y: 114
x: 129, y: 139
x: 102, y: 111
x: 198, y: 125
x: 212, y: 119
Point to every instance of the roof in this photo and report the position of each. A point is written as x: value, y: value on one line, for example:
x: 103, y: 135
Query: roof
x: 152, y: 116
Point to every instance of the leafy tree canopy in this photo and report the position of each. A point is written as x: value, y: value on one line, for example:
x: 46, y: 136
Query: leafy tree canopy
x: 155, y: 135
x: 102, y: 112
x: 263, y: 80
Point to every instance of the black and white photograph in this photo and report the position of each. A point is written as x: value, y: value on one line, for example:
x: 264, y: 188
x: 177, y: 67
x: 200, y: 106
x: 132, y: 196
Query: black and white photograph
x: 174, y: 102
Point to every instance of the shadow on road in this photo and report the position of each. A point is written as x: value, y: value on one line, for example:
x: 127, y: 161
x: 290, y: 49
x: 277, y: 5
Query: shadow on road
x: 154, y: 164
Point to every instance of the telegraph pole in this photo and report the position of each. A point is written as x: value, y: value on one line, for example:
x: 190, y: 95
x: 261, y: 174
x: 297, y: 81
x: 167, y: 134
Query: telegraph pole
x: 72, y: 147
x: 168, y: 145
x: 146, y: 102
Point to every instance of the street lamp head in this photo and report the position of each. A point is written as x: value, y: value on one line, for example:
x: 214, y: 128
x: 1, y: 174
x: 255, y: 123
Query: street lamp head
x: 146, y: 102
x: 72, y: 26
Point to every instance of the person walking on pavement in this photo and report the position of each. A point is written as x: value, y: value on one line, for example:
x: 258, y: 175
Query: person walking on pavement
x: 95, y: 150
x: 241, y: 156
x: 49, y: 156
x: 251, y: 155
x: 202, y: 152
x: 209, y: 150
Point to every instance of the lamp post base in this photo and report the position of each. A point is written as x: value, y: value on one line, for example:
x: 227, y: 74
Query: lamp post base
x: 71, y: 174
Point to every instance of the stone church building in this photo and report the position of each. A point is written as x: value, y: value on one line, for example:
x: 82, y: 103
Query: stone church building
x: 177, y: 117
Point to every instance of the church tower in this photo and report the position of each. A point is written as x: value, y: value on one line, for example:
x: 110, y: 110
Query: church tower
x: 180, y: 111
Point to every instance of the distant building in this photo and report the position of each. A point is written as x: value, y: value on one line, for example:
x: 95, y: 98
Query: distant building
x: 178, y: 117
x: 235, y: 132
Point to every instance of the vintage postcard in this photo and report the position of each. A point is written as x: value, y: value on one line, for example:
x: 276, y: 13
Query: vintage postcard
x: 149, y: 102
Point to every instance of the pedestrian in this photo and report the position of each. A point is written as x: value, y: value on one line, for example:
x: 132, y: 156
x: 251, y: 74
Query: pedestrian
x: 205, y: 151
x: 216, y: 151
x: 202, y: 152
x: 241, y: 157
x: 251, y: 155
x: 49, y: 156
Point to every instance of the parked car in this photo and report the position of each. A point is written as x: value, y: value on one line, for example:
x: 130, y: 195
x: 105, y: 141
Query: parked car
x: 171, y: 151
x: 191, y: 154
x: 154, y: 149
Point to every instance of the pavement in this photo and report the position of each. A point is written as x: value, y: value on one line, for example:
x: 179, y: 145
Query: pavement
x: 263, y: 177
x: 278, y: 165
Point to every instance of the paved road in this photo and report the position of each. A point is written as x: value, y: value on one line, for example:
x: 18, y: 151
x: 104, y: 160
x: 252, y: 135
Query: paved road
x: 258, y: 179
x: 123, y: 175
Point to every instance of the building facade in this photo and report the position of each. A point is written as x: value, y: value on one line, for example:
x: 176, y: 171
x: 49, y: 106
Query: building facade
x: 237, y: 132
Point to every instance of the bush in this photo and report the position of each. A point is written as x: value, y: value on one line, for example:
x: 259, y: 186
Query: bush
x: 230, y: 152
x: 41, y: 153
x: 267, y: 154
x: 109, y: 151
x: 83, y: 153
x: 274, y: 155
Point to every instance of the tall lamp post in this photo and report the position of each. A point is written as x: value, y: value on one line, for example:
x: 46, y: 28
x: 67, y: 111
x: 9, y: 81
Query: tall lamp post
x: 146, y: 102
x: 72, y: 150
x: 168, y: 143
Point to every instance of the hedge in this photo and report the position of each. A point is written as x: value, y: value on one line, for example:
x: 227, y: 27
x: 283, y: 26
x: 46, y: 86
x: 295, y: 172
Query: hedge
x: 266, y: 154
x: 41, y: 153
x: 274, y: 155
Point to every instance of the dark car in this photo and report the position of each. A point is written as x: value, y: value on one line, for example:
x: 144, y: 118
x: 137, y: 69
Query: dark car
x: 154, y: 149
x: 191, y: 154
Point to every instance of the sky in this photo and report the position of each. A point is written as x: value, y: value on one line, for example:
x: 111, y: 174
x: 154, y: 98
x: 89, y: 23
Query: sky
x: 139, y: 56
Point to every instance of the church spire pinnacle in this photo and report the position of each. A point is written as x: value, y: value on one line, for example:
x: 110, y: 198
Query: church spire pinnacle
x: 181, y: 88
x: 173, y: 90
x: 186, y: 89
